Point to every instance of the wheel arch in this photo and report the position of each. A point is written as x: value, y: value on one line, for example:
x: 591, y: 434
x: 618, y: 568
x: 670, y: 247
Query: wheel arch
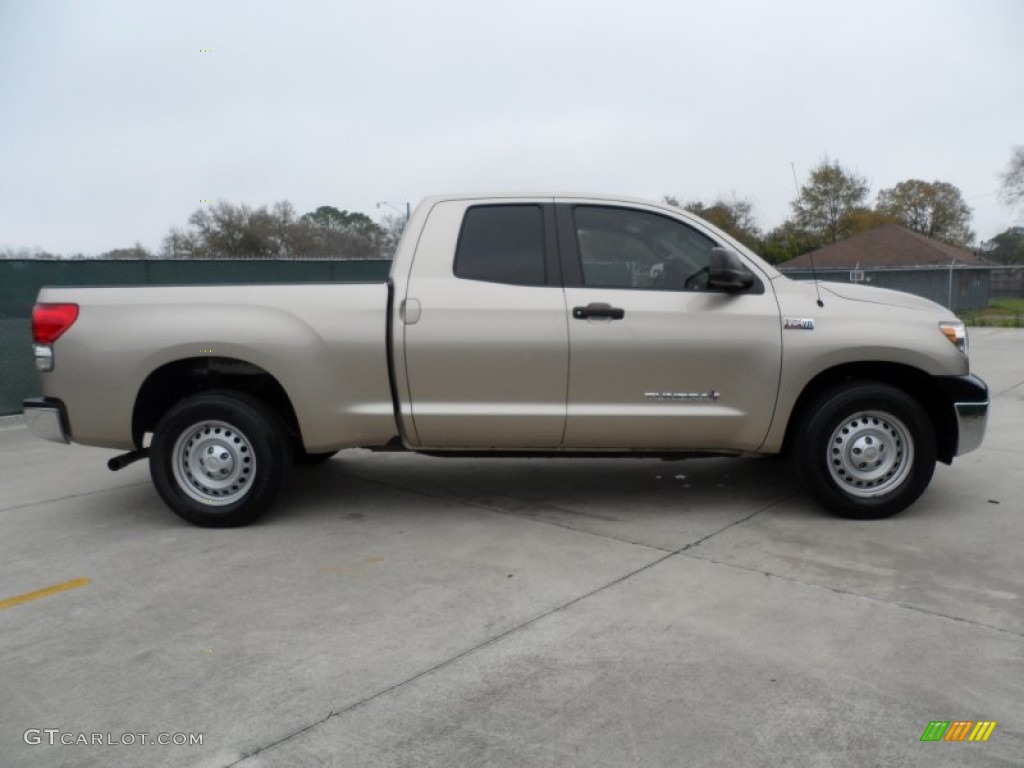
x: 176, y: 380
x: 913, y: 381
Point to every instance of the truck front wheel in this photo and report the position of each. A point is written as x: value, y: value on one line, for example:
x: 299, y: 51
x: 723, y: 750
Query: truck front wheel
x: 866, y: 450
x: 218, y: 459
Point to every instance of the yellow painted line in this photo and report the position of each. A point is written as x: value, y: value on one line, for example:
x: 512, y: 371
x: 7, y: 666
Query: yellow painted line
x: 28, y: 597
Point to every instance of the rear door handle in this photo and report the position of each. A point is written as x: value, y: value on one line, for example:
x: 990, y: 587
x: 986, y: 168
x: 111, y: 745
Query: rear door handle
x: 598, y: 310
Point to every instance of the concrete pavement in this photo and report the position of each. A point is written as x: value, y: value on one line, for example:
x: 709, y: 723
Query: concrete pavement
x: 401, y: 610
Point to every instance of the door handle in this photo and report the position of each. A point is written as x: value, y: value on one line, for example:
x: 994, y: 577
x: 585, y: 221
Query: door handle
x: 598, y: 310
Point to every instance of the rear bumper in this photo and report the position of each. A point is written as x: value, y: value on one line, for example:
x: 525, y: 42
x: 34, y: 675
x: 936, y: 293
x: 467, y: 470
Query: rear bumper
x: 46, y: 418
x: 969, y: 397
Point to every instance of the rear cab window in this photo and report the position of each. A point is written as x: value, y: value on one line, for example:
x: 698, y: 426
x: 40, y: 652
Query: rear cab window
x: 503, y: 244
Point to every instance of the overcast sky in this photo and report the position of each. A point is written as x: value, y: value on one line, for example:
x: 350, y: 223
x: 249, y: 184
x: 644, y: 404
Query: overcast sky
x: 115, y: 125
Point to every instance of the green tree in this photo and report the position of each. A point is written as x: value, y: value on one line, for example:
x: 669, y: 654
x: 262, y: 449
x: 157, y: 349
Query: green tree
x: 135, y: 252
x: 936, y: 209
x: 825, y: 202
x: 733, y: 215
x: 785, y: 242
x: 328, y: 218
x: 344, y: 233
x: 1013, y: 179
x: 862, y: 219
x: 1007, y: 247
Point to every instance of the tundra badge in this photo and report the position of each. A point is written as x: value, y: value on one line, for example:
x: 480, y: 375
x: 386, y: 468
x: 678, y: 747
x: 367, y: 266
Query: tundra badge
x: 689, y: 397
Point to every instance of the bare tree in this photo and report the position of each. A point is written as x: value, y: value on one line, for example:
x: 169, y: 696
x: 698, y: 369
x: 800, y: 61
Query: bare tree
x: 1013, y: 179
x: 393, y: 225
x: 224, y: 230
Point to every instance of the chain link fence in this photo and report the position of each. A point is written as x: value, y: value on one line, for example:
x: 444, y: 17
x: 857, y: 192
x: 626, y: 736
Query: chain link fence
x: 21, y: 279
x: 960, y: 288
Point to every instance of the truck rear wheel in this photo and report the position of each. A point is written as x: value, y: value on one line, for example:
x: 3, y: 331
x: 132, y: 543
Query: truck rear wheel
x: 218, y: 459
x: 866, y: 450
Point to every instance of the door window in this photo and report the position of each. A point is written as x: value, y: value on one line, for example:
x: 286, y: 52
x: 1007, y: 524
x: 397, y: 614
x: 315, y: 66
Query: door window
x: 623, y: 248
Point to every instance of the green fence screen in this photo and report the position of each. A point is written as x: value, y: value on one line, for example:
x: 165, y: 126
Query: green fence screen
x: 21, y: 279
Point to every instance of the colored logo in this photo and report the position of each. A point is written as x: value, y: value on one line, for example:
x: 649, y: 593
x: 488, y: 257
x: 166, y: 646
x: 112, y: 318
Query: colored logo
x: 958, y: 730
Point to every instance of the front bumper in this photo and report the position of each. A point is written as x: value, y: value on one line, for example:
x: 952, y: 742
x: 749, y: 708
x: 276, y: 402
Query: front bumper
x: 971, y: 421
x: 46, y: 418
x: 969, y: 397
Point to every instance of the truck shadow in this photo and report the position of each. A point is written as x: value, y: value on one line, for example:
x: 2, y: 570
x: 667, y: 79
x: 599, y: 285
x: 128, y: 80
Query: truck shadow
x: 563, y: 491
x: 599, y: 495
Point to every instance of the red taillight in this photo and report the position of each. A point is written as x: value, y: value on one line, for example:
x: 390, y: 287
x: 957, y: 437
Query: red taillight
x: 49, y: 321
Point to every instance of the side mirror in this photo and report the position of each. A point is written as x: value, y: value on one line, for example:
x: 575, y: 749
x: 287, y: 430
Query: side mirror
x: 727, y: 273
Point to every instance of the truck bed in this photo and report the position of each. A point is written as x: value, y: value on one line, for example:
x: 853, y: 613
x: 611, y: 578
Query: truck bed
x: 325, y: 343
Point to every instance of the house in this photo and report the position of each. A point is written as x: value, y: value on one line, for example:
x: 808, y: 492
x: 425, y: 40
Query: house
x: 892, y: 256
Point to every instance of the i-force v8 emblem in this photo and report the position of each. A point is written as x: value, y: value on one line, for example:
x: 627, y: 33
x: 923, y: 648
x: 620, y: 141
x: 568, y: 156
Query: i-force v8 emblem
x: 798, y: 323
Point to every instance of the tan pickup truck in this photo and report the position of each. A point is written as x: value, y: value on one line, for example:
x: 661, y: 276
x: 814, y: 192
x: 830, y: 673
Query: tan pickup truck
x: 515, y: 325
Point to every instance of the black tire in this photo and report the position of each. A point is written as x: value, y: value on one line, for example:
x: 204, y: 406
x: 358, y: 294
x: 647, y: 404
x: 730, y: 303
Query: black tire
x: 865, y: 450
x: 304, y: 459
x: 219, y: 459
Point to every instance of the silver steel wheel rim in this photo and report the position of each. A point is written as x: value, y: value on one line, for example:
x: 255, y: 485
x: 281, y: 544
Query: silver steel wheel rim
x: 214, y: 463
x: 870, y: 454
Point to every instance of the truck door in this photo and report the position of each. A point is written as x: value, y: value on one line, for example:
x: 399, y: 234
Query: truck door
x: 657, y: 359
x: 485, y: 339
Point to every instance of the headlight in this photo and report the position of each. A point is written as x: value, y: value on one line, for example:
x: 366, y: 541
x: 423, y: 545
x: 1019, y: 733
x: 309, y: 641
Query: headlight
x: 956, y: 333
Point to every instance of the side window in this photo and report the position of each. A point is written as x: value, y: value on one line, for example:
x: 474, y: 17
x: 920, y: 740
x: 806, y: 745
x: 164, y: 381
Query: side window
x: 502, y: 244
x: 623, y: 248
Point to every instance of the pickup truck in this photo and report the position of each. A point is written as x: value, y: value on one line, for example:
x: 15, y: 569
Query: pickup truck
x: 515, y: 325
